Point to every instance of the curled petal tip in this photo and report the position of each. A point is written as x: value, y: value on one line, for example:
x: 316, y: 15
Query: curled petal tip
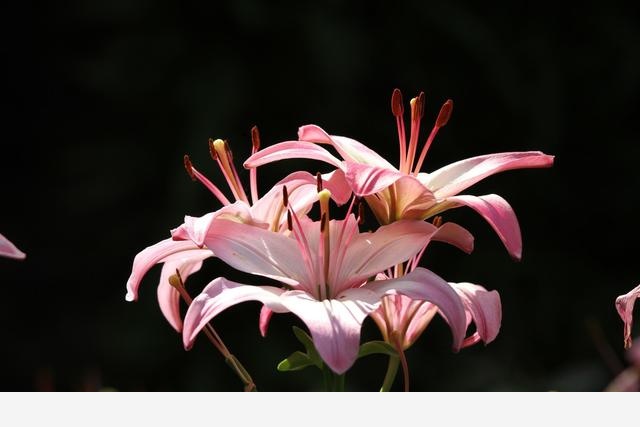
x: 130, y: 297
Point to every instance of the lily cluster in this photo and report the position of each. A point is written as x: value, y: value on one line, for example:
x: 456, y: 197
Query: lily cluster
x: 330, y: 273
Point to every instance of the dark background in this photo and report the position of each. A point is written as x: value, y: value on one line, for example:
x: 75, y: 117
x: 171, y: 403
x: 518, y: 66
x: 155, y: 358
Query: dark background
x: 102, y: 99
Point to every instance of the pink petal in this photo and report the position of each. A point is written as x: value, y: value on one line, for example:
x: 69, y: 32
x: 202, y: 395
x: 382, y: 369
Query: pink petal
x: 8, y: 249
x: 265, y: 318
x: 292, y: 150
x: 484, y: 308
x: 187, y: 263
x: 221, y: 294
x: 367, y: 179
x: 149, y: 257
x: 500, y: 216
x: 389, y: 245
x: 349, y: 149
x: 454, y: 178
x: 624, y: 305
x: 257, y: 251
x: 412, y: 198
x: 196, y: 228
x: 422, y: 284
x: 302, y: 191
x: 455, y: 235
x: 334, y: 324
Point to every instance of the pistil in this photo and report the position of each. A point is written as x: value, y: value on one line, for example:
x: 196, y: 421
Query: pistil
x: 224, y: 157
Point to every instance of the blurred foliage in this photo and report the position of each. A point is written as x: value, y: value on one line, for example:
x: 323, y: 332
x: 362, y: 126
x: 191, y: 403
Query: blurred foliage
x: 102, y: 99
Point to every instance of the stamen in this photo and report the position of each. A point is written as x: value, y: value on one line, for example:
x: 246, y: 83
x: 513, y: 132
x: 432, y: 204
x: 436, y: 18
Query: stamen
x: 360, y: 213
x: 437, y: 221
x: 196, y: 175
x: 396, y: 103
x: 253, y: 172
x: 189, y: 167
x: 212, y: 150
x: 417, y: 111
x: 289, y: 221
x: 285, y: 196
x: 443, y: 118
x: 445, y: 113
x: 325, y: 241
x: 397, y: 109
x: 318, y: 182
x: 224, y: 159
x: 255, y: 139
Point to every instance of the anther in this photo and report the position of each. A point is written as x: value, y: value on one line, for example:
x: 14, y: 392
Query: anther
x: 323, y: 222
x: 189, y: 167
x: 175, y: 281
x: 445, y: 113
x: 396, y: 103
x: 289, y: 221
x: 255, y: 138
x: 285, y: 196
x: 318, y: 182
x: 212, y: 150
x: 437, y: 221
x: 420, y: 105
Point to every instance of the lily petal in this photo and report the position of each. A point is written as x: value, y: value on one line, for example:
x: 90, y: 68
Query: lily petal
x: 349, y: 149
x: 484, y: 308
x: 196, y: 228
x: 452, y: 179
x: 221, y: 294
x: 265, y: 318
x: 369, y: 179
x: 257, y: 251
x: 149, y: 257
x: 455, y: 235
x: 624, y: 305
x: 292, y: 150
x: 334, y: 324
x: 500, y: 216
x: 389, y: 245
x: 8, y: 249
x: 422, y: 284
x: 187, y: 263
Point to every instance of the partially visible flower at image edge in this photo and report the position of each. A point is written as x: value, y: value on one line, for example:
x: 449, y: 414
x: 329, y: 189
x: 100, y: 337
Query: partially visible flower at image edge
x: 9, y: 250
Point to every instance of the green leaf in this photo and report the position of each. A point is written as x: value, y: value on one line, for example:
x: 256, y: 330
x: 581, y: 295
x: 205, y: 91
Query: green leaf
x: 376, y: 347
x: 307, y: 342
x: 296, y: 361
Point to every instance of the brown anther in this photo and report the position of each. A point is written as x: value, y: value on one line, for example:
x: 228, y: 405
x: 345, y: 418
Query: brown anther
x: 437, y: 221
x: 323, y: 222
x: 212, y: 150
x: 285, y: 196
x: 319, y: 182
x: 396, y: 103
x: 420, y: 105
x: 189, y: 167
x: 255, y: 138
x: 445, y: 113
x: 360, y: 213
x: 289, y: 221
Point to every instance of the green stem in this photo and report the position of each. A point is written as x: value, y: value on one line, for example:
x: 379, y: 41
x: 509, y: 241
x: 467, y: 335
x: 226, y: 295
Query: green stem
x: 331, y: 380
x: 390, y: 376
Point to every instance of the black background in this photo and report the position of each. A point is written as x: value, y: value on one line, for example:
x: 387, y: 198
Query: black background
x: 102, y: 99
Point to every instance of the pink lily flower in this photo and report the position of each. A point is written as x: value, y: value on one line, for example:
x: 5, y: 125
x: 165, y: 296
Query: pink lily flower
x: 187, y: 255
x: 9, y: 250
x: 324, y: 267
x: 402, y: 320
x: 624, y: 305
x: 405, y: 192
